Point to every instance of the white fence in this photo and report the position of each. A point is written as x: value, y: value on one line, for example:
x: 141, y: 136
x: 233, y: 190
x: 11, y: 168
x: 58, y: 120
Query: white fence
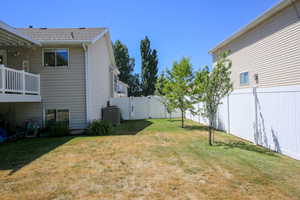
x: 20, y: 82
x: 134, y: 108
x: 265, y: 116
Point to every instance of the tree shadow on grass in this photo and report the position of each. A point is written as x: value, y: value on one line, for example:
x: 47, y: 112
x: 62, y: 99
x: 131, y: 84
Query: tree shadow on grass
x: 196, y: 127
x: 174, y: 120
x: 131, y: 127
x: 16, y: 155
x: 245, y: 146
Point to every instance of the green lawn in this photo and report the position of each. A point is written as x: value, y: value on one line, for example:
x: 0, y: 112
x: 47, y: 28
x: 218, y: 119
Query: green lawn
x: 147, y: 159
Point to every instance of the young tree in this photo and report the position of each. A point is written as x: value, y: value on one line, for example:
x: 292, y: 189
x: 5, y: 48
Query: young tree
x: 211, y: 87
x: 149, y: 67
x: 159, y: 87
x: 178, y: 86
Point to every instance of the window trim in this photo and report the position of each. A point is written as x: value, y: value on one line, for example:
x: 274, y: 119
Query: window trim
x: 115, y: 82
x: 244, y: 84
x: 43, y: 60
x: 56, y: 109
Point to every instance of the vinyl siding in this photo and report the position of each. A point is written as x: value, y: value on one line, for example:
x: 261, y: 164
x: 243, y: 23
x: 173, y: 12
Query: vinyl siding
x: 272, y: 50
x: 61, y: 87
x: 26, y: 111
x: 99, y: 77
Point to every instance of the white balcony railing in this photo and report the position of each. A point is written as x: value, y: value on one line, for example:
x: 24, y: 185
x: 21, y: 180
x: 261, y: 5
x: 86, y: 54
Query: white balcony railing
x: 18, y: 82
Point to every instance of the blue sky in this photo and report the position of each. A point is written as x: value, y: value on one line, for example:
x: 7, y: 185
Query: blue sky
x: 176, y: 28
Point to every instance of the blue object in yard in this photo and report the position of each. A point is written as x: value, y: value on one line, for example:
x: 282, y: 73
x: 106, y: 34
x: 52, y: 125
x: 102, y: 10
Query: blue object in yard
x: 3, y: 135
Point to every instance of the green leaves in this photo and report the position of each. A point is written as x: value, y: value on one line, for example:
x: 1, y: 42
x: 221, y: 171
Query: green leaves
x: 177, y: 86
x: 211, y: 87
x: 126, y: 66
x: 149, y: 67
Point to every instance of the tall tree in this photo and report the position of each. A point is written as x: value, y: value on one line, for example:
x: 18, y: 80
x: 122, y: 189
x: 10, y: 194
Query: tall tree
x: 178, y: 86
x: 126, y: 66
x: 135, y: 89
x: 123, y: 61
x: 149, y: 67
x: 211, y: 87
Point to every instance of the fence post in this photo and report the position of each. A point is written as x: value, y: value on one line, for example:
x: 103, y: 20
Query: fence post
x: 2, y: 68
x: 228, y: 115
x: 23, y: 82
x: 255, y: 110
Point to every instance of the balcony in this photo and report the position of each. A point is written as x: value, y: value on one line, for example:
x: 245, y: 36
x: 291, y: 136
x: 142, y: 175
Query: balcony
x: 19, y: 86
x: 121, y: 89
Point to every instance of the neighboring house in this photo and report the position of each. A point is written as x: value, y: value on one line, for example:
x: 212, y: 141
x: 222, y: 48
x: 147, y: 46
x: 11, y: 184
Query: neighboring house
x: 68, y: 74
x: 120, y: 88
x: 265, y: 104
x: 266, y: 52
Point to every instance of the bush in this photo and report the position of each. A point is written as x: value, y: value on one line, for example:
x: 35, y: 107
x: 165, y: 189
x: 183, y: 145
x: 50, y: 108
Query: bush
x: 58, y: 129
x: 99, y: 127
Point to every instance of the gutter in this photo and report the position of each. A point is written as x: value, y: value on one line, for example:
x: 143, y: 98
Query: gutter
x: 266, y: 15
x: 87, y: 84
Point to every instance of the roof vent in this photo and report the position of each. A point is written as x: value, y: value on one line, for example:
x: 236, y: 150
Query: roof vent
x: 30, y: 26
x: 82, y: 28
x: 44, y: 28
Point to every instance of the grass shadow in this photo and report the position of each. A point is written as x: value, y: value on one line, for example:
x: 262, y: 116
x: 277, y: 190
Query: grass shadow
x: 131, y: 127
x: 245, y: 146
x: 196, y: 127
x: 16, y: 155
x: 174, y: 120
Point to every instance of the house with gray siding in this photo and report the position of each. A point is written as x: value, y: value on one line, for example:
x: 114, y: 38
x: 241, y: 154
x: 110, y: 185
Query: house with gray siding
x: 56, y: 74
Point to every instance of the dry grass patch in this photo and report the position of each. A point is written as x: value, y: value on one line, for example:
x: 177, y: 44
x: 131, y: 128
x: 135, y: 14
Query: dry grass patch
x: 157, y: 160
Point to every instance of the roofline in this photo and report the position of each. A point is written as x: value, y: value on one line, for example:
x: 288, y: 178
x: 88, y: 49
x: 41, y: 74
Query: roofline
x: 266, y: 15
x: 46, y: 42
x: 100, y: 35
x: 126, y: 85
x: 12, y: 30
x: 92, y: 41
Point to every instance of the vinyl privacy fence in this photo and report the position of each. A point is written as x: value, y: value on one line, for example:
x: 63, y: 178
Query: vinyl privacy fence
x: 135, y: 108
x: 266, y: 116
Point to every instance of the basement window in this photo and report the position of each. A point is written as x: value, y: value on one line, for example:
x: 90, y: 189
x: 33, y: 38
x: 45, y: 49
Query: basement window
x: 55, y: 57
x: 244, y: 78
x: 57, y: 115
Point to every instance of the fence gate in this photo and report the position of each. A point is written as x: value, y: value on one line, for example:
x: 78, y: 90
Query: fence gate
x: 134, y: 108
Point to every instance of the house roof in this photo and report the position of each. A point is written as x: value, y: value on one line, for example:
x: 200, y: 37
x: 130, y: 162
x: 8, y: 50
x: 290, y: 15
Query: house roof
x: 9, y: 36
x: 62, y: 34
x: 266, y: 15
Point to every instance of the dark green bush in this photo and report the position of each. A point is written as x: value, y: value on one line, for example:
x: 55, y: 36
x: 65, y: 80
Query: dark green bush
x: 58, y: 129
x: 99, y: 127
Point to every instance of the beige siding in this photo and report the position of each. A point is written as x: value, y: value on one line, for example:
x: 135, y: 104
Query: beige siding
x: 99, y: 77
x: 271, y: 50
x: 26, y: 111
x: 61, y: 87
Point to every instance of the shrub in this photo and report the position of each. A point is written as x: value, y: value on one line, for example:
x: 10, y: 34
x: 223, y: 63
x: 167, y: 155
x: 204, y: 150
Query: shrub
x: 58, y: 129
x: 99, y: 127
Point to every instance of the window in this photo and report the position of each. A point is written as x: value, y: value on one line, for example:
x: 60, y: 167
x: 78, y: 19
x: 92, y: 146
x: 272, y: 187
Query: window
x: 57, y: 115
x: 56, y: 57
x: 116, y: 83
x: 244, y: 78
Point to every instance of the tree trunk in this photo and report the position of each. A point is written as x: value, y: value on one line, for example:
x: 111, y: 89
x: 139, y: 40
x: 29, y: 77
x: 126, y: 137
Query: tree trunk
x: 210, y: 136
x: 182, y: 119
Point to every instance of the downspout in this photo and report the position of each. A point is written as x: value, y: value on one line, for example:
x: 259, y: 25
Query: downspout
x: 87, y: 85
